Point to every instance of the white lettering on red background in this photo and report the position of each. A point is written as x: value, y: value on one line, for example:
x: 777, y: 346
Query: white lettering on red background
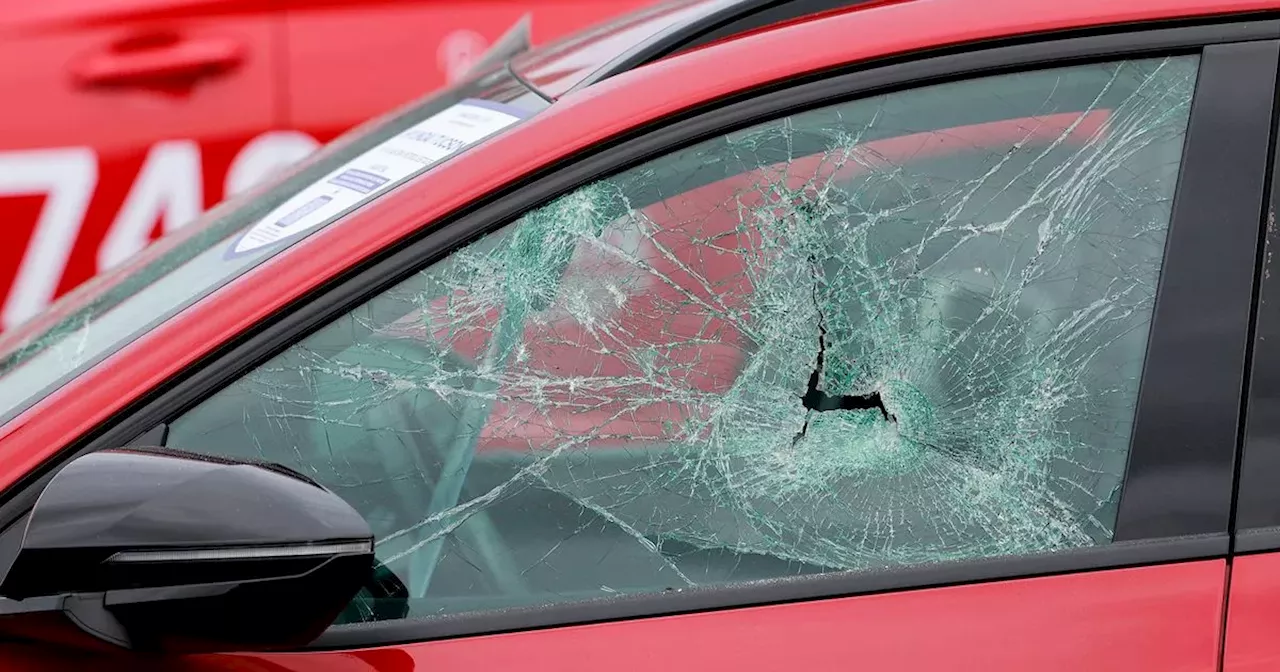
x: 168, y: 188
x: 66, y: 177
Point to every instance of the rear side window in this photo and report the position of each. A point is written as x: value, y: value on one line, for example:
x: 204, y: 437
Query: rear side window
x: 904, y: 329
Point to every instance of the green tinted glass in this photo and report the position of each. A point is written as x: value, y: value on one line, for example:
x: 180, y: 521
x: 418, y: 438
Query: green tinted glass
x: 900, y: 330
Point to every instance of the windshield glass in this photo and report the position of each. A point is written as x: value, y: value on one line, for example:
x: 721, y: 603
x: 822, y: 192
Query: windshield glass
x: 113, y: 310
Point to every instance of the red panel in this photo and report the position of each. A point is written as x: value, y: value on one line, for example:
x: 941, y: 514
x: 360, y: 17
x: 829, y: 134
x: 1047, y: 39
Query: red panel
x: 1163, y: 619
x: 1253, y: 618
x: 575, y: 122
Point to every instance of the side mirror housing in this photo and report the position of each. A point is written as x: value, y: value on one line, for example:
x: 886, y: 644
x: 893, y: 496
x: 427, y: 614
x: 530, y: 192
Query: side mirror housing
x: 166, y: 551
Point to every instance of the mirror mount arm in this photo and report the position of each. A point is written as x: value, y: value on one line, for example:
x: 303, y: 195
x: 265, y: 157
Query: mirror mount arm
x: 31, y: 605
x: 90, y: 613
x: 86, y: 611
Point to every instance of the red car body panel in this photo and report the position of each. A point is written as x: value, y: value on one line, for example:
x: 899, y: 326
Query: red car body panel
x: 1154, y: 618
x: 1164, y: 617
x: 1253, y: 614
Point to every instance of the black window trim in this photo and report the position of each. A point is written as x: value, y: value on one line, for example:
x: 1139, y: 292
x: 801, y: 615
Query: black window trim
x: 1185, y: 538
x: 1256, y: 518
x: 1190, y: 402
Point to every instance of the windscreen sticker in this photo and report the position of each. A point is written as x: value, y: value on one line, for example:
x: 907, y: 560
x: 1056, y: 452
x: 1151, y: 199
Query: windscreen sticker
x: 364, y: 177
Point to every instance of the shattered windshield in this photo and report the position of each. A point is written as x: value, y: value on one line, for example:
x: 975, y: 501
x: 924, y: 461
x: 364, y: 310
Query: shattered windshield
x: 904, y: 329
x: 119, y: 306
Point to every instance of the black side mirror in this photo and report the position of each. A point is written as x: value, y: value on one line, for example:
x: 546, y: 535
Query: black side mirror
x: 160, y: 550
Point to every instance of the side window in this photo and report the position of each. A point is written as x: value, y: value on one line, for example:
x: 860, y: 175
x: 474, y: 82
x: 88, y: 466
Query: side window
x: 899, y: 330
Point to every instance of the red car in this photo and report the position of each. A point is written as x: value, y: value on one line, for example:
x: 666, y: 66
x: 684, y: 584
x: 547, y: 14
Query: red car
x: 902, y: 335
x: 129, y: 118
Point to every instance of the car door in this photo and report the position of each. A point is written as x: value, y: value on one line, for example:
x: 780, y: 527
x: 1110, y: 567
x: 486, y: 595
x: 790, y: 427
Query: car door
x: 385, y: 54
x: 963, y: 357
x: 932, y: 364
x: 124, y: 120
x: 1254, y: 602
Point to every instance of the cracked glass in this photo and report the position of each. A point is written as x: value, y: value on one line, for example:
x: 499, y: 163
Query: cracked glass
x: 899, y: 330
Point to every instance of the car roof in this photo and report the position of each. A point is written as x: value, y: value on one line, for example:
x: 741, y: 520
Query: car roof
x: 584, y: 119
x: 646, y: 36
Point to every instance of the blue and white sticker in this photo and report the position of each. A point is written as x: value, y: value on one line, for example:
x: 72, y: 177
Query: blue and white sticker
x: 368, y: 175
